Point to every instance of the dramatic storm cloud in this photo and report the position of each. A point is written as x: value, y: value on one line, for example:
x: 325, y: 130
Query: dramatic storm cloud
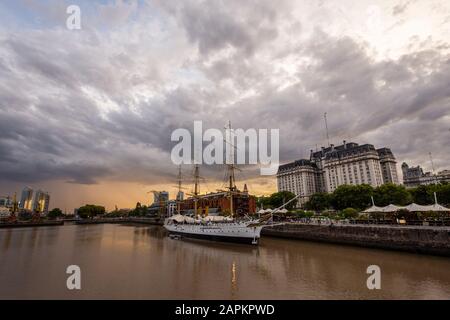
x: 88, y: 114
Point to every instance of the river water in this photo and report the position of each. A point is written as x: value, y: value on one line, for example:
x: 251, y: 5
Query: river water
x: 141, y: 262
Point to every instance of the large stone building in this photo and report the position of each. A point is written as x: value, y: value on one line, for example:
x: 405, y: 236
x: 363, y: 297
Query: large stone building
x: 331, y: 167
x: 414, y: 176
x: 219, y: 202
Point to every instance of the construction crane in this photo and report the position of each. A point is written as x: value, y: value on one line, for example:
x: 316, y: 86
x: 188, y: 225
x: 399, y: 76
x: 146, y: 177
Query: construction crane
x: 14, y: 209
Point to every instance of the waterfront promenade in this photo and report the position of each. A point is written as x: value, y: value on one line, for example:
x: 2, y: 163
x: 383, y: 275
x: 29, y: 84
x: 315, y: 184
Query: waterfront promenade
x: 433, y: 240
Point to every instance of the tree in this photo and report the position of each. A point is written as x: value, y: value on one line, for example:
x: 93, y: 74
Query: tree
x: 443, y: 194
x: 421, y: 195
x: 390, y: 193
x: 349, y: 213
x: 55, y: 213
x: 90, y: 211
x: 263, y: 202
x: 279, y: 198
x: 319, y: 201
x: 348, y: 196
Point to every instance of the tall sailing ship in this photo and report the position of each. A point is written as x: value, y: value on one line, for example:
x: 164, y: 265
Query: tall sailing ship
x: 217, y: 227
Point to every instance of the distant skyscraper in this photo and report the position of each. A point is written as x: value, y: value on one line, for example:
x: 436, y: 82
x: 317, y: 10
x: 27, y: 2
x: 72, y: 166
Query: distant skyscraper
x: 26, y: 199
x: 180, y: 196
x: 162, y: 196
x: 41, y: 202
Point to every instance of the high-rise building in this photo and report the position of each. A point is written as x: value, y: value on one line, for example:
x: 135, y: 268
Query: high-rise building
x: 41, y: 202
x: 180, y: 196
x: 301, y: 177
x: 160, y: 196
x: 26, y: 199
x: 414, y: 176
x: 331, y: 167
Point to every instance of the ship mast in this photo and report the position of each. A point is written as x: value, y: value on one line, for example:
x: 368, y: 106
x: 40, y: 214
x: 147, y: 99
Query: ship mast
x: 196, y: 188
x: 231, y: 167
x: 179, y: 180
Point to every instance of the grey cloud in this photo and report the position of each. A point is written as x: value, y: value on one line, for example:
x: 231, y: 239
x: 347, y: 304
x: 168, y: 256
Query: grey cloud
x: 216, y: 25
x: 400, y: 8
x: 53, y: 125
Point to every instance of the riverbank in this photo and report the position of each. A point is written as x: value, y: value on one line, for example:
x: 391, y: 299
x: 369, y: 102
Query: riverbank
x: 416, y: 239
x: 149, y: 221
x: 23, y: 224
x: 46, y: 223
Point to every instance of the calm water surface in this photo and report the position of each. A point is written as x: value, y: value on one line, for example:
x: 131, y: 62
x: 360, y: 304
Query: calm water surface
x: 141, y: 262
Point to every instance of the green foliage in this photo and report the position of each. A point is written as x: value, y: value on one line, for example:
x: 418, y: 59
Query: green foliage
x: 349, y: 213
x: 263, y: 202
x: 442, y: 192
x: 277, y: 200
x: 139, y: 211
x: 425, y: 194
x: 319, y: 201
x: 392, y: 194
x: 55, y: 213
x: 303, y: 214
x: 348, y: 196
x: 421, y: 195
x: 359, y: 197
x: 90, y: 211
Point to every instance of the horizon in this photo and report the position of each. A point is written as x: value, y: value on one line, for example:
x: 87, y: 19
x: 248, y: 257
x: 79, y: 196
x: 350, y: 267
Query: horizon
x: 87, y: 114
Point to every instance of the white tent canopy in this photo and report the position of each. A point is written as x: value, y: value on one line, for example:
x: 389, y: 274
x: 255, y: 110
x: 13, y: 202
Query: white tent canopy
x: 414, y: 207
x: 392, y: 208
x: 373, y: 209
x: 437, y: 207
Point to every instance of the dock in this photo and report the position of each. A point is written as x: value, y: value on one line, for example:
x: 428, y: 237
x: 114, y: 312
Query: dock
x: 417, y: 239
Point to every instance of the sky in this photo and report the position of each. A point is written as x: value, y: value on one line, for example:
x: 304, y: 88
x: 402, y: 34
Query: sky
x: 87, y: 114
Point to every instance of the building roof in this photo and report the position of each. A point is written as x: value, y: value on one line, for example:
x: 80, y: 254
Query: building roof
x: 348, y: 151
x: 295, y: 164
x: 385, y: 152
x: 322, y: 153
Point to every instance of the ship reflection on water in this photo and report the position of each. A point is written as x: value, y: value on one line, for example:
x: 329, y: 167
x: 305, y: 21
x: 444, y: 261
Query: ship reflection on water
x: 141, y: 262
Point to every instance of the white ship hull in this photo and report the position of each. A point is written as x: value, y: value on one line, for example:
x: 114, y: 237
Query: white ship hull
x: 239, y: 232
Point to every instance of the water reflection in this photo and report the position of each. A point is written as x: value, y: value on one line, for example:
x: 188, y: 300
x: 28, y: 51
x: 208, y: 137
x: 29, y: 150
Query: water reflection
x: 123, y: 261
x: 233, y: 280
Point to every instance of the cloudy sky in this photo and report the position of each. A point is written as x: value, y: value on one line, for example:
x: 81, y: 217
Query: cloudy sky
x: 87, y: 114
